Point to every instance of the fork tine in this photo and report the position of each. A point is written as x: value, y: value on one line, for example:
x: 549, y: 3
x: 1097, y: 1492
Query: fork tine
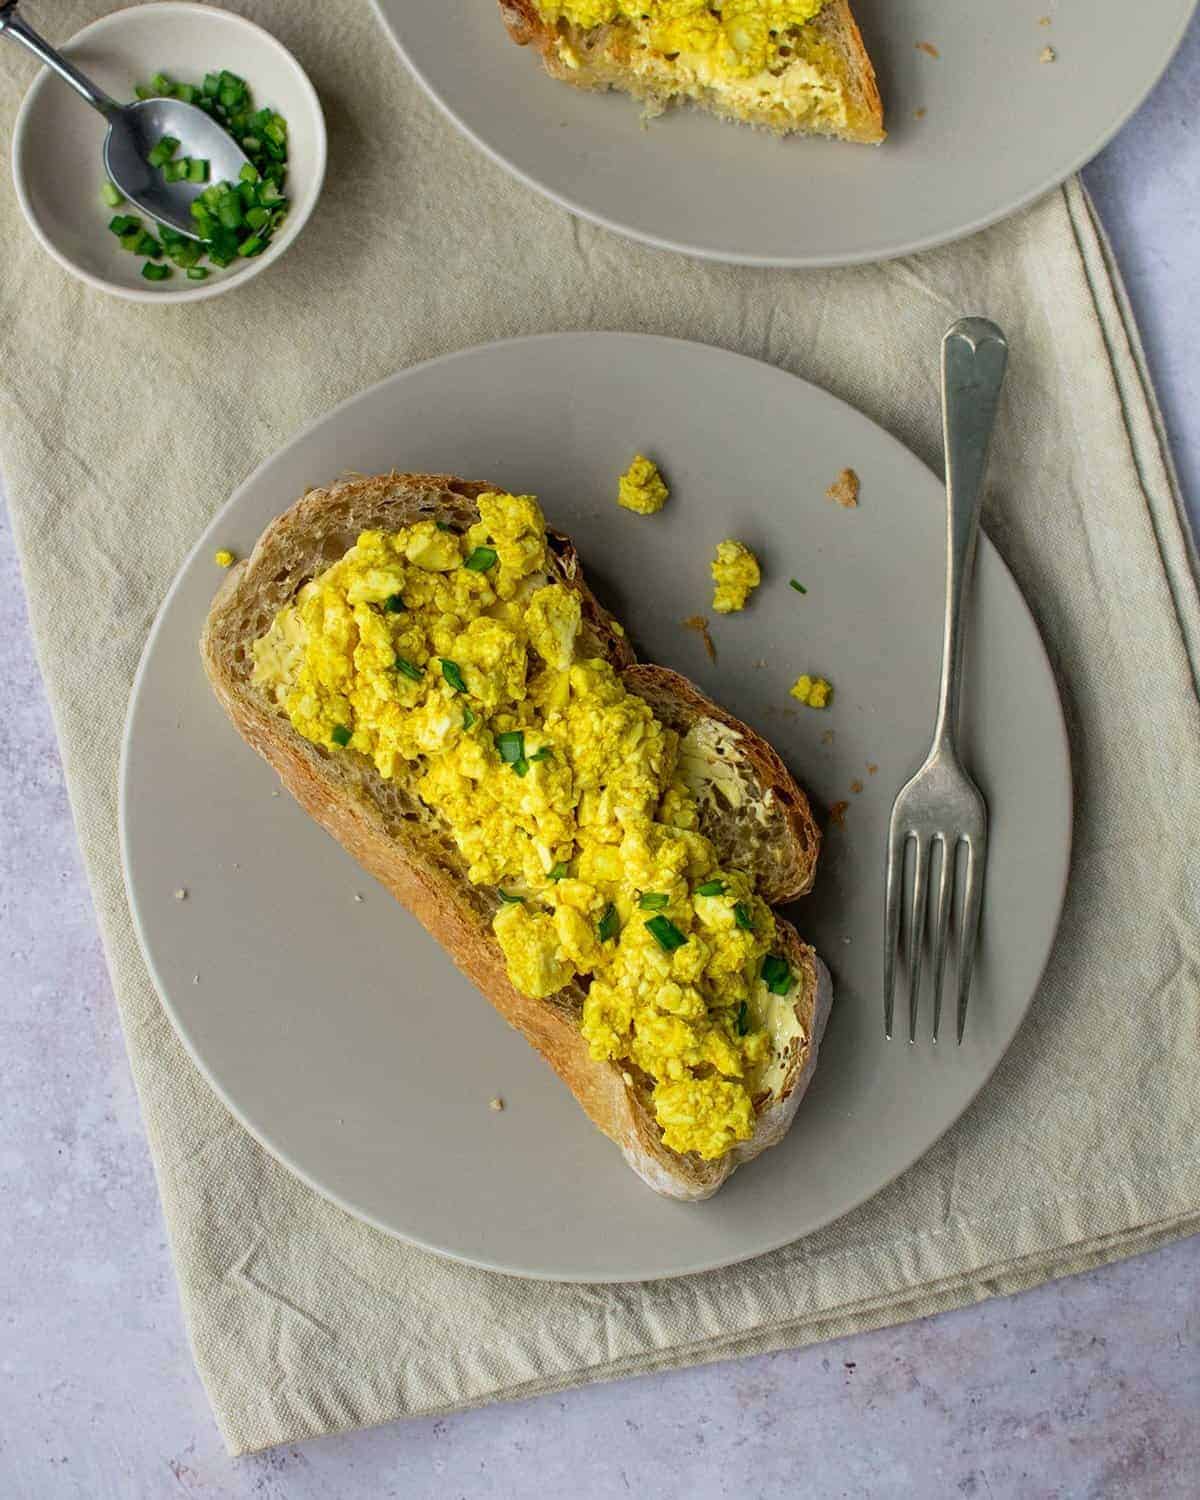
x: 916, y: 931
x: 969, y: 931
x: 941, y: 923
x: 895, y: 886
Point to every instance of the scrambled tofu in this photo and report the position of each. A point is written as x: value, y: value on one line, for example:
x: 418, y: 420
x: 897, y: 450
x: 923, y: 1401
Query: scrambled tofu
x: 761, y: 57
x: 224, y: 558
x: 454, y: 663
x: 813, y: 691
x: 734, y: 38
x: 735, y: 574
x: 641, y: 488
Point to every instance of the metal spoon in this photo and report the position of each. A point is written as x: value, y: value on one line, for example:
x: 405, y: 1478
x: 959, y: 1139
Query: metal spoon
x: 135, y: 129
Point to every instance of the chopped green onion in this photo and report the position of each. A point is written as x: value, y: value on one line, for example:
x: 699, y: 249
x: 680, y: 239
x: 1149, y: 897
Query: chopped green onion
x: 521, y: 767
x: 776, y: 975
x: 452, y: 674
x: 253, y: 246
x: 212, y: 85
x: 394, y: 604
x: 653, y: 900
x: 258, y: 218
x: 407, y: 669
x: 197, y: 169
x: 608, y: 923
x: 124, y: 224
x: 186, y: 92
x: 175, y: 171
x: 481, y: 559
x: 443, y: 526
x: 743, y: 1019
x: 197, y: 273
x: 111, y: 194
x: 229, y: 211
x: 558, y: 872
x: 545, y: 753
x: 468, y: 717
x: 143, y: 91
x: 711, y: 888
x: 511, y: 746
x: 162, y: 84
x: 249, y: 173
x: 147, y: 245
x: 507, y: 899
x: 153, y: 272
x: 665, y: 933
x: 742, y: 918
x: 799, y: 587
x: 340, y: 735
x: 163, y: 151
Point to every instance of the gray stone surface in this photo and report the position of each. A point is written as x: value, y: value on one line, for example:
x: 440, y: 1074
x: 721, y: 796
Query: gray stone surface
x: 1086, y: 1388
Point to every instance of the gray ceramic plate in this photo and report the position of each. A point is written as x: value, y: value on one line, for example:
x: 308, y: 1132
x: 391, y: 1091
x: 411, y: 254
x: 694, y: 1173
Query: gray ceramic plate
x: 340, y: 1033
x: 998, y: 127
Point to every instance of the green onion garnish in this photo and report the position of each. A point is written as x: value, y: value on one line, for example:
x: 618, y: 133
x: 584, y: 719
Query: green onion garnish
x: 799, y: 587
x: 743, y: 1019
x: 521, y: 767
x: 443, y: 526
x: 249, y: 173
x: 481, y: 559
x: 545, y: 753
x: 111, y: 194
x: 511, y: 746
x: 608, y: 923
x: 197, y: 273
x: 197, y: 169
x: 154, y: 272
x: 163, y: 151
x: 394, y: 604
x: 255, y: 245
x: 407, y: 669
x: 711, y: 888
x: 776, y: 975
x: 665, y: 933
x: 339, y: 734
x: 558, y: 871
x: 742, y: 918
x: 161, y: 84
x: 453, y: 676
x: 468, y: 717
x: 507, y: 899
x: 653, y: 900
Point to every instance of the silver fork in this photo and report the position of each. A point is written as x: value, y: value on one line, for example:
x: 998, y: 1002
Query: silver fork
x: 941, y: 806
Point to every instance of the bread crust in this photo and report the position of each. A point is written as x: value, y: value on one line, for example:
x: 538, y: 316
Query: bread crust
x: 408, y: 852
x: 526, y: 26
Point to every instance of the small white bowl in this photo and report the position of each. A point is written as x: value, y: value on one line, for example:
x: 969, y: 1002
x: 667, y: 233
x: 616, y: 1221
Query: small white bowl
x: 57, y: 141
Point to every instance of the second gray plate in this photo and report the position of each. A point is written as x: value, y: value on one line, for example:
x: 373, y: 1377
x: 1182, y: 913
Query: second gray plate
x: 339, y: 1032
x: 975, y: 131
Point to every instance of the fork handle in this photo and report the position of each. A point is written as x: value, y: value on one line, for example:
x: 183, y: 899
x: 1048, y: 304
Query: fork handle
x: 974, y: 356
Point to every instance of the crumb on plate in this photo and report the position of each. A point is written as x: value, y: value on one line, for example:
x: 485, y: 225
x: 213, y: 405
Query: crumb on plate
x: 224, y: 558
x: 815, y: 692
x: 844, y: 489
x: 837, y: 814
x: 641, y: 488
x: 496, y: 1104
x: 928, y: 48
x: 735, y: 574
x: 699, y: 623
x: 856, y: 786
x: 1047, y: 55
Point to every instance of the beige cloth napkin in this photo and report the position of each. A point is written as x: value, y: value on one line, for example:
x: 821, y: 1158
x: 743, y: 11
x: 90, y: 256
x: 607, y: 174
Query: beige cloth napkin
x: 122, y: 428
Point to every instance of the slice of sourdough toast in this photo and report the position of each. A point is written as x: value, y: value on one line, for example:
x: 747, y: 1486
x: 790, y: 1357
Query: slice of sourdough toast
x: 823, y: 84
x: 751, y: 808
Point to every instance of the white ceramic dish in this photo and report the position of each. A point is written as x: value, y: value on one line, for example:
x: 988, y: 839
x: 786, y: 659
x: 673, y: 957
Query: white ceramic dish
x: 339, y: 1032
x: 56, y: 143
x: 996, y: 127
